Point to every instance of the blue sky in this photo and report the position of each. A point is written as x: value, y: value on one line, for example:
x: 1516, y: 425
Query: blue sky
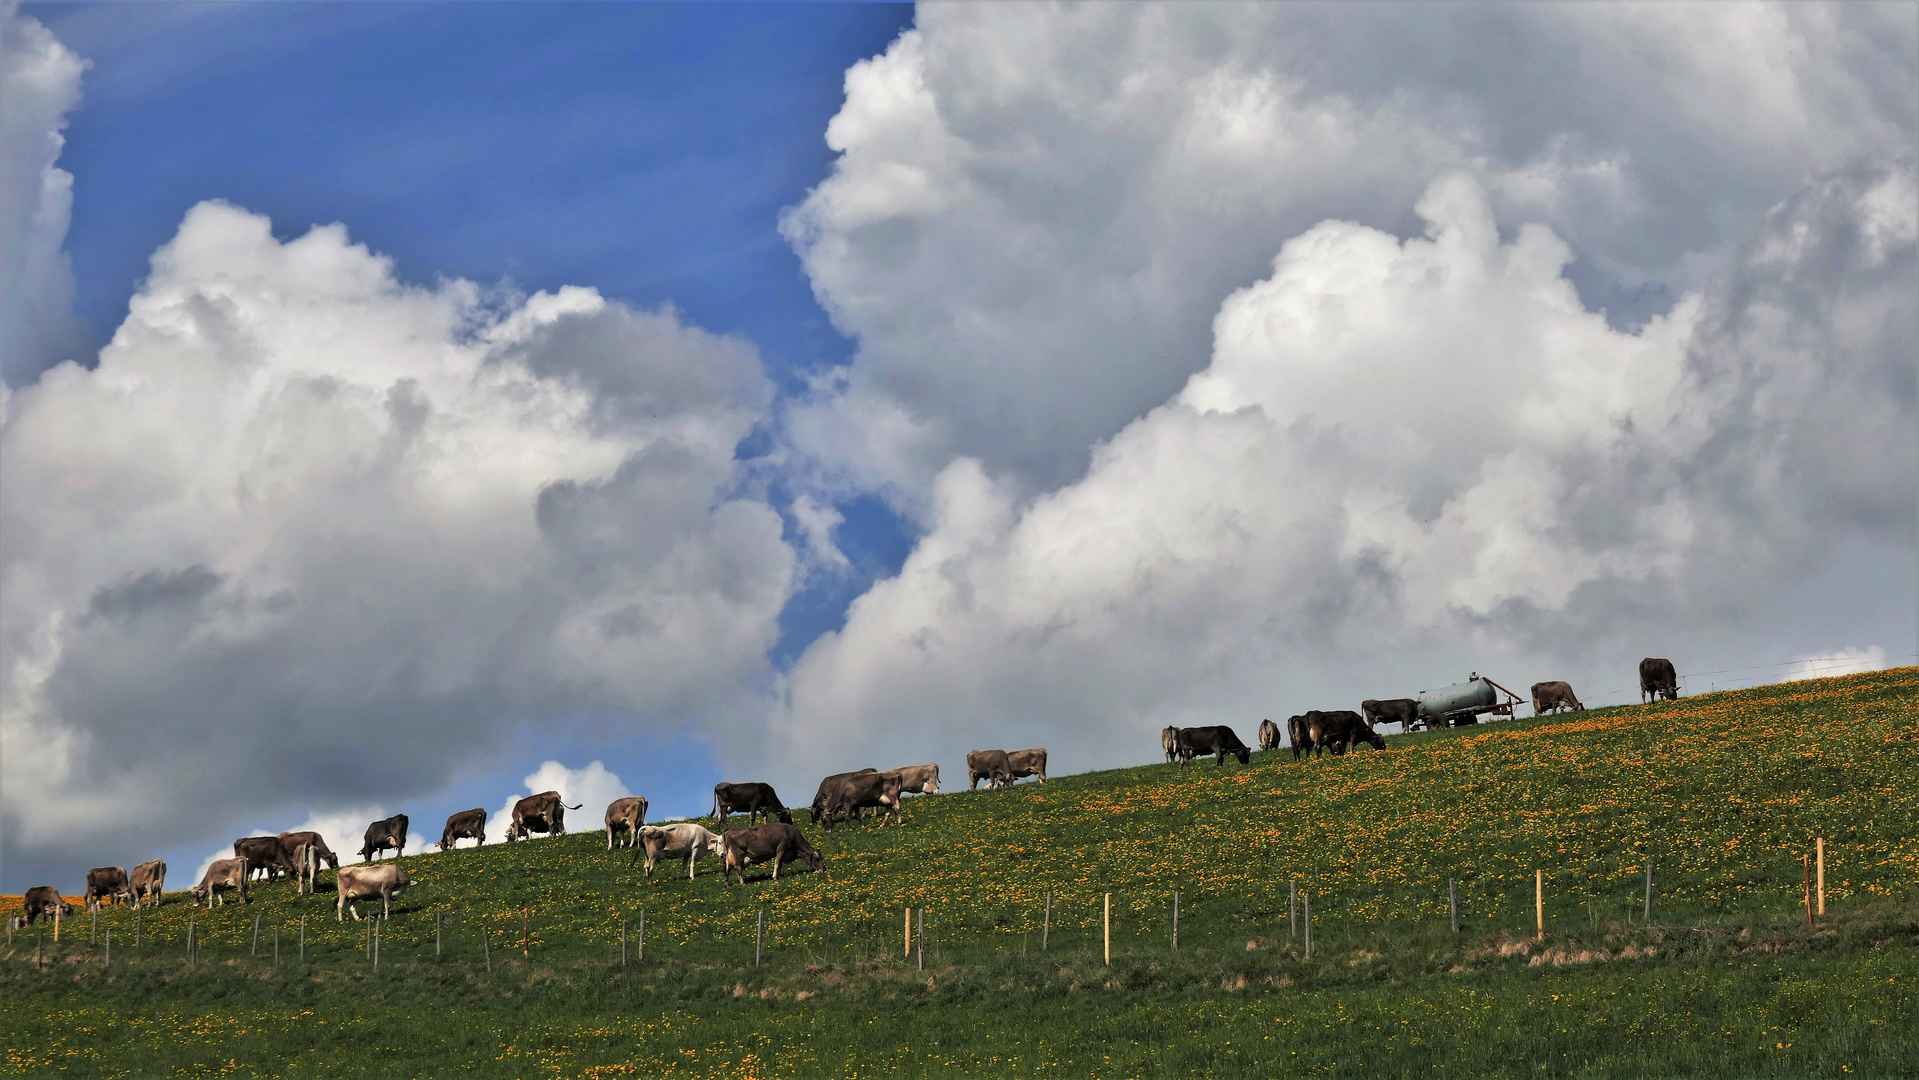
x: 643, y: 149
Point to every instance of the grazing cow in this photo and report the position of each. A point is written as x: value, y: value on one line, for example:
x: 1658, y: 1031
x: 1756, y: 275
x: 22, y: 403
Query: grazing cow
x: 1553, y: 696
x: 852, y: 792
x: 988, y: 765
x: 222, y: 876
x: 294, y: 841
x: 625, y: 816
x: 1300, y: 734
x: 389, y: 833
x: 465, y: 825
x: 1268, y: 735
x: 356, y: 883
x: 681, y: 838
x: 105, y: 883
x: 45, y: 900
x: 1657, y: 676
x: 1169, y: 742
x: 1340, y: 730
x: 1403, y: 711
x: 922, y: 779
x: 542, y: 813
x: 149, y: 880
x: 782, y: 843
x: 755, y: 798
x: 265, y: 855
x: 1027, y: 763
x: 1217, y: 740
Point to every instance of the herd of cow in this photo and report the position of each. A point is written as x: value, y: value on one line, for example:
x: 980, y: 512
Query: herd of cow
x: 842, y: 796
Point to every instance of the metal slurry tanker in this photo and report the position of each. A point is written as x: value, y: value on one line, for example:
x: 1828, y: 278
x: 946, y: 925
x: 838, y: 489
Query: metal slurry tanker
x: 1465, y: 703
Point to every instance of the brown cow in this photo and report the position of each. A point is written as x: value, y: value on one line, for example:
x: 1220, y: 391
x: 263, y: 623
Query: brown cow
x: 625, y: 816
x: 356, y: 883
x: 1553, y: 696
x: 780, y: 843
x: 1268, y: 735
x: 465, y: 825
x: 989, y: 765
x: 294, y: 841
x: 224, y: 875
x: 920, y: 779
x: 265, y: 855
x: 755, y: 798
x: 108, y: 882
x: 1169, y: 742
x: 542, y: 813
x: 1403, y: 711
x: 149, y: 880
x: 1658, y: 677
x: 1027, y: 763
x: 383, y: 834
x: 851, y: 792
x: 45, y: 900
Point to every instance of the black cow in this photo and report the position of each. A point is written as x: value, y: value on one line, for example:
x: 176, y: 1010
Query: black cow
x: 1300, y: 734
x: 754, y: 799
x: 106, y: 883
x: 1217, y: 740
x: 851, y: 792
x: 265, y: 855
x: 45, y: 900
x: 1339, y: 730
x: 1657, y: 677
x: 465, y: 825
x: 389, y: 833
x: 781, y: 843
x: 1403, y: 711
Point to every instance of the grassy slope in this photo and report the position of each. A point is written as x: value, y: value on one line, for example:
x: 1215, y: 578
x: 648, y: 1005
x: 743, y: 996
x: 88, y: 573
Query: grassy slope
x: 1724, y: 792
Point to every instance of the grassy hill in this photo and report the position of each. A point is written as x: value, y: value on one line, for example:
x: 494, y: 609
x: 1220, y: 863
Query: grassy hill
x: 1724, y: 793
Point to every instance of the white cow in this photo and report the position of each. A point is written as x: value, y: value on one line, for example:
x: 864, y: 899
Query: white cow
x: 684, y: 838
x: 356, y: 883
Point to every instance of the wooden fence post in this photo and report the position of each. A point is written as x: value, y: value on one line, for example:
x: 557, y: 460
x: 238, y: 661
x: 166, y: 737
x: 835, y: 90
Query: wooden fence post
x: 1107, y: 921
x: 1452, y: 901
x: 376, y: 944
x: 759, y: 937
x: 642, y: 942
x: 366, y: 947
x: 439, y: 923
x: 58, y: 904
x: 109, y: 948
x: 622, y: 942
x: 486, y: 946
x: 1539, y: 900
x: 303, y: 939
x: 922, y: 939
x: 1805, y: 863
x: 906, y: 936
x: 1821, y: 849
x: 1046, y: 927
x: 1292, y: 909
x: 1306, y: 902
x: 1175, y: 920
x: 526, y: 933
x: 255, y: 950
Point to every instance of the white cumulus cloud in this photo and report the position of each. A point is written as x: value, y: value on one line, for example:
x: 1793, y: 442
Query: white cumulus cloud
x: 309, y: 535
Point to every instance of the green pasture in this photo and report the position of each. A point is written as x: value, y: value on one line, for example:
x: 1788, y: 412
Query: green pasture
x: 1723, y: 794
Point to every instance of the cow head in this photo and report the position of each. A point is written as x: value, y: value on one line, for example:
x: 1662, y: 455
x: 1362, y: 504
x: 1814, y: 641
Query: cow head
x: 786, y: 816
x: 1244, y: 755
x: 1374, y: 737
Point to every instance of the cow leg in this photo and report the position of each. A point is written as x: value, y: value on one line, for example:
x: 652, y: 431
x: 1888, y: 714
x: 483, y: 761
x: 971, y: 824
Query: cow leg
x: 777, y: 852
x: 692, y: 859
